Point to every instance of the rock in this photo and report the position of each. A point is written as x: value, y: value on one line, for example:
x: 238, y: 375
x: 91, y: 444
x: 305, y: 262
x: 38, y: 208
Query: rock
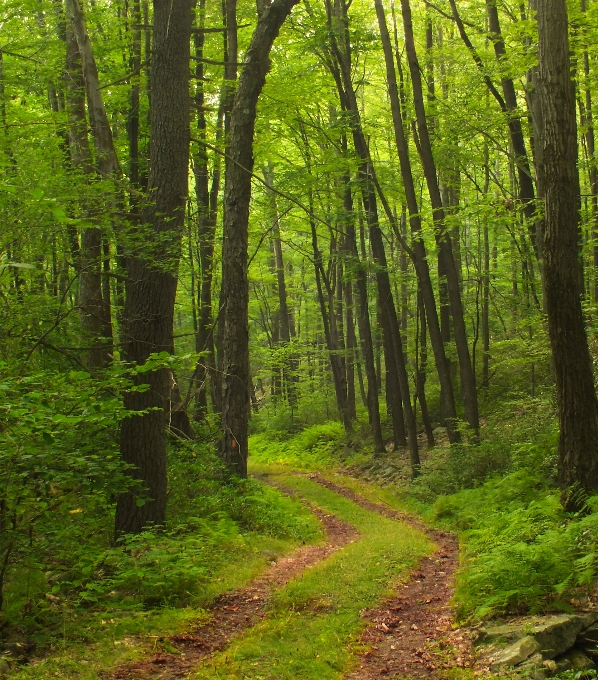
x: 589, y: 636
x: 588, y: 619
x: 562, y: 665
x: 507, y: 631
x: 557, y: 634
x: 439, y: 431
x: 534, y: 668
x: 579, y: 661
x: 515, y: 653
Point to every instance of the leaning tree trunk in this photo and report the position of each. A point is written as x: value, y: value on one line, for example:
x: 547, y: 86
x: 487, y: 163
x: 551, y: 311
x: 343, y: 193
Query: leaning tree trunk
x: 237, y: 194
x: 577, y: 403
x: 151, y: 288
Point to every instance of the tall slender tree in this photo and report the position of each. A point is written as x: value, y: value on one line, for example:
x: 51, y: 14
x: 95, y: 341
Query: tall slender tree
x: 237, y: 194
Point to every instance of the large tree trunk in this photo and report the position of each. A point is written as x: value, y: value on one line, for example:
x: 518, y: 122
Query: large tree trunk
x: 577, y: 403
x: 152, y: 283
x: 237, y: 194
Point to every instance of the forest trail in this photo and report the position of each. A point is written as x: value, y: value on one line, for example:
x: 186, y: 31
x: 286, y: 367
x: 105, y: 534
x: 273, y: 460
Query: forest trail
x: 373, y: 599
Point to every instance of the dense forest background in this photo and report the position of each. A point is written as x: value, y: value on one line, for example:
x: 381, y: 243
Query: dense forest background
x: 383, y: 303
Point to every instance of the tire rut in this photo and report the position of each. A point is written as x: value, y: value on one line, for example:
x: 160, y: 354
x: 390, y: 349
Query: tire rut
x: 410, y: 634
x: 233, y: 613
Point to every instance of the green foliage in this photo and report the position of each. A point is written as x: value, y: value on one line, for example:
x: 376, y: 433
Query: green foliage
x: 521, y: 551
x: 59, y: 467
x: 519, y: 434
x: 312, y: 448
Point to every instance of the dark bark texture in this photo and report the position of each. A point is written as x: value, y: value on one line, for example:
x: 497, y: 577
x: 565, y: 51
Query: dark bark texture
x: 577, y: 404
x: 152, y: 282
x: 237, y: 194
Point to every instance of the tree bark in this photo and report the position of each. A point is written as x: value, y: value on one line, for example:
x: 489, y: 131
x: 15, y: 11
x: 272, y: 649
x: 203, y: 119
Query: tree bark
x: 82, y: 76
x: 468, y: 386
x: 363, y: 317
x: 151, y: 287
x: 576, y: 397
x: 237, y: 194
x: 419, y: 254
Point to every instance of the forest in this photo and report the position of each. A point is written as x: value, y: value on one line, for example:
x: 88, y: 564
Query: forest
x: 299, y: 324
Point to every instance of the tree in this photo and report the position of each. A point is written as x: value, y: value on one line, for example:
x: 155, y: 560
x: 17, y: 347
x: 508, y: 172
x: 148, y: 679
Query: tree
x: 237, y: 195
x: 152, y: 267
x: 576, y: 395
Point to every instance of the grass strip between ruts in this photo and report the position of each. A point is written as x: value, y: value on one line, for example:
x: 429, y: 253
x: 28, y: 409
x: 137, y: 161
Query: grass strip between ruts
x: 313, y: 626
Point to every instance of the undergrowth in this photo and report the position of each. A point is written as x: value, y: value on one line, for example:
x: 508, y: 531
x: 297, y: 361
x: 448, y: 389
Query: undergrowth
x: 311, y: 449
x: 521, y: 553
x: 221, y: 531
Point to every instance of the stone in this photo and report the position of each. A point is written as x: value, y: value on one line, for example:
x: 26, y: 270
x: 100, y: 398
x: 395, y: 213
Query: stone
x: 549, y: 665
x: 588, y: 619
x: 557, y: 634
x: 589, y: 636
x: 507, y: 631
x: 579, y: 661
x: 563, y: 665
x: 533, y: 668
x: 515, y: 653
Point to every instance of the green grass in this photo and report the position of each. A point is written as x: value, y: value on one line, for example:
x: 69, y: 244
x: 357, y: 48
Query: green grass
x: 310, y: 449
x: 314, y: 622
x: 102, y: 640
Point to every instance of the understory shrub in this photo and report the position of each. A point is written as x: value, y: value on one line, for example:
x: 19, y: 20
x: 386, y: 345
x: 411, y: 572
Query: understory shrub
x: 312, y: 448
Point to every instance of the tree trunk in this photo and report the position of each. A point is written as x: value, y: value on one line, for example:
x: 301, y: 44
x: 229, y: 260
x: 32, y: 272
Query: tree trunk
x: 287, y: 329
x: 421, y: 369
x: 237, y: 194
x: 99, y: 314
x: 363, y: 318
x: 207, y: 214
x: 468, y: 386
x: 576, y: 397
x: 152, y: 282
x: 418, y: 255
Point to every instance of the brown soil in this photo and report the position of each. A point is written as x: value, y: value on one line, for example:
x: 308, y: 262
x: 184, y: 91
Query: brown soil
x: 234, y: 612
x: 410, y: 634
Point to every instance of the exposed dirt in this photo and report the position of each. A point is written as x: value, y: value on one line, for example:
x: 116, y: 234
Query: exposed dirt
x: 410, y: 634
x: 232, y: 613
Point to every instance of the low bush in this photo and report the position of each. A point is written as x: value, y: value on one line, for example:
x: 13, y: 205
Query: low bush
x: 312, y: 448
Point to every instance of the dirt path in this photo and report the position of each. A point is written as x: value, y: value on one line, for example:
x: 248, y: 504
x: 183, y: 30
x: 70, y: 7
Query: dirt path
x: 410, y: 634
x: 234, y: 612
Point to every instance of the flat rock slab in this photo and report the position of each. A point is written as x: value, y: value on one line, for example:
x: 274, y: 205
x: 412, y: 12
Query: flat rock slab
x: 554, y: 634
x: 515, y: 653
